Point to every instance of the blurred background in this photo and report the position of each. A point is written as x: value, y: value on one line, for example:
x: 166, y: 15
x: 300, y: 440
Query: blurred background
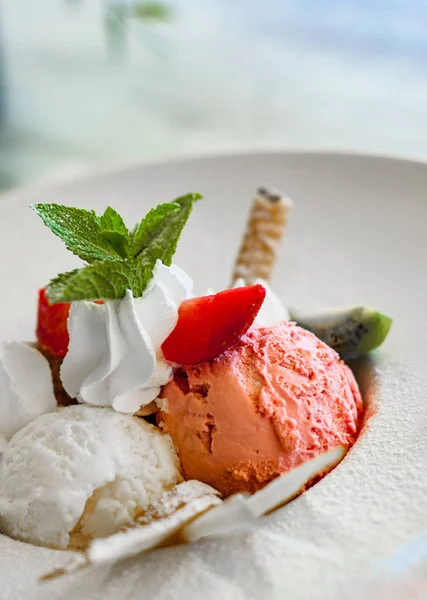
x: 84, y: 82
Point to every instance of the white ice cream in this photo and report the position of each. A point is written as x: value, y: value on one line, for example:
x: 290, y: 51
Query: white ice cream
x: 83, y: 471
x: 272, y: 311
x: 26, y: 389
x: 114, y: 356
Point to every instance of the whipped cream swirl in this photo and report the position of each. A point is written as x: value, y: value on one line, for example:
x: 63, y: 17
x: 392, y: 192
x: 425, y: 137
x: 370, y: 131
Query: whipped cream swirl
x: 114, y: 356
x: 26, y: 389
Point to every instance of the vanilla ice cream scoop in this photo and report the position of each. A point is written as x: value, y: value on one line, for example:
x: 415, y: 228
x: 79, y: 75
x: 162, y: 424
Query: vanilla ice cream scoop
x: 80, y: 473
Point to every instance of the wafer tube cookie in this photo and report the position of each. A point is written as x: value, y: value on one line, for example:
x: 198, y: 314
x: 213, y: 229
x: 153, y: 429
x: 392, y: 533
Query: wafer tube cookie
x: 267, y: 222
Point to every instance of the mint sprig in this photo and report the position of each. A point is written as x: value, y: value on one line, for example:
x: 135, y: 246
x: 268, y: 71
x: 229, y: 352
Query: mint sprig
x: 118, y: 259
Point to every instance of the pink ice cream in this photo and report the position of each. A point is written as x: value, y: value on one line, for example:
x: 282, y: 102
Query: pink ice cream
x: 277, y: 399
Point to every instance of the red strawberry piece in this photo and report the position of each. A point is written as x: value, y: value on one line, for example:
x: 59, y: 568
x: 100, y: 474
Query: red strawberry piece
x: 209, y: 325
x: 52, y: 330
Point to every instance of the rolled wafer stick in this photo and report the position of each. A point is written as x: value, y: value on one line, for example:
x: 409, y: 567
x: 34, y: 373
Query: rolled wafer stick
x: 266, y: 225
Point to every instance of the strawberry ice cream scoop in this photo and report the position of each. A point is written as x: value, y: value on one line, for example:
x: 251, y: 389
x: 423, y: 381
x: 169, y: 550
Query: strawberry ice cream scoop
x: 273, y: 401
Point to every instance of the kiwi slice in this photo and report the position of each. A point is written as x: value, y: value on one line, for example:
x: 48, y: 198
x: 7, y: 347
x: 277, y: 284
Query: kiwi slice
x: 352, y: 332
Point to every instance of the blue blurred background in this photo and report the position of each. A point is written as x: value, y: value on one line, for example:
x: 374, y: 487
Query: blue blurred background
x: 88, y: 81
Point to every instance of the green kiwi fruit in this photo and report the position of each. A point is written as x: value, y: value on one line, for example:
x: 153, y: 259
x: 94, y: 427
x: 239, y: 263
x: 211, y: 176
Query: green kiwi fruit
x: 352, y: 332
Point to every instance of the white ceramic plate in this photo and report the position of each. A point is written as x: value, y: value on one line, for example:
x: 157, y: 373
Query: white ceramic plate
x: 357, y: 235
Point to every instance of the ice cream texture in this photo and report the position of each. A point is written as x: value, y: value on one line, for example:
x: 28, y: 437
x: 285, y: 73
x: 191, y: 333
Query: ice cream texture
x: 81, y: 473
x: 275, y: 400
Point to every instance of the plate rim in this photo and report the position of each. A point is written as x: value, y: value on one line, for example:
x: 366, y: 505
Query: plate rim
x: 116, y: 167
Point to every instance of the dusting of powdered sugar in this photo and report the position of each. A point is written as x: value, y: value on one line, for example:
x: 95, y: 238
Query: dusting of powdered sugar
x: 375, y: 498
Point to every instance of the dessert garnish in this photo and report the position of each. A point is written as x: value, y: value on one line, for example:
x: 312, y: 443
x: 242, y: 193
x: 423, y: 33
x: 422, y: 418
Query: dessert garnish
x: 261, y: 241
x: 145, y: 318
x: 112, y: 350
x: 352, y: 332
x: 210, y: 325
x: 119, y: 259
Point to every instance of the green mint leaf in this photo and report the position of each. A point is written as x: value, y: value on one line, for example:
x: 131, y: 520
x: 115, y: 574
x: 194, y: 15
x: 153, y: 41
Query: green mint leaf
x: 119, y: 242
x: 158, y: 233
x: 112, y: 221
x: 113, y: 228
x: 56, y: 285
x: 147, y: 231
x: 79, y: 229
x: 107, y: 280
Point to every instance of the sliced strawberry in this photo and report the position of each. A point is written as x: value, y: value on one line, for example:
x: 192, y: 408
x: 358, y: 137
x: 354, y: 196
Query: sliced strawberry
x: 210, y: 325
x: 52, y: 330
